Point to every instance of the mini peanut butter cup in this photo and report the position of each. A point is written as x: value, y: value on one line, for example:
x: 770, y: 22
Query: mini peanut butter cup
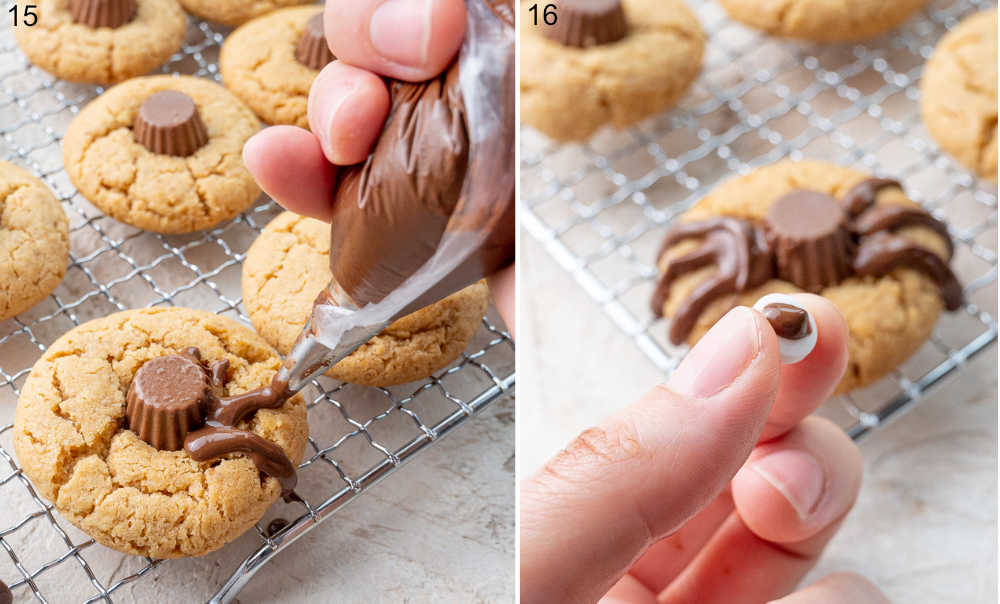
x: 808, y: 233
x: 102, y: 13
x: 312, y: 50
x: 586, y: 23
x: 166, y: 400
x: 168, y: 123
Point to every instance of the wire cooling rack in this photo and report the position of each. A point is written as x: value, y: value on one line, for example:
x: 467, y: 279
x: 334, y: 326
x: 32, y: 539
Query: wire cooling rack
x: 601, y: 208
x: 358, y: 435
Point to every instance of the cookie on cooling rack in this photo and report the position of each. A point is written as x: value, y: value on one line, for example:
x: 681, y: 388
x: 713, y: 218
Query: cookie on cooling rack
x: 289, y: 265
x: 236, y: 12
x: 34, y: 241
x: 270, y: 63
x: 163, y: 153
x: 613, y: 62
x: 959, y: 93
x: 102, y: 41
x: 812, y: 226
x: 823, y: 20
x: 83, y: 431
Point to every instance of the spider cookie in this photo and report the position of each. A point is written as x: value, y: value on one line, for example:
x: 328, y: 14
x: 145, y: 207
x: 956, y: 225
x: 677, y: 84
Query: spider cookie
x: 236, y: 12
x: 34, y: 241
x: 606, y: 62
x: 959, y: 93
x: 270, y: 63
x: 150, y: 431
x: 289, y: 265
x: 817, y: 227
x: 163, y: 153
x: 102, y: 41
x: 823, y: 20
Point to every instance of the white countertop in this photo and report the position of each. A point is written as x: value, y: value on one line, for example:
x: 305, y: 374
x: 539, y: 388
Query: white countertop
x: 924, y: 527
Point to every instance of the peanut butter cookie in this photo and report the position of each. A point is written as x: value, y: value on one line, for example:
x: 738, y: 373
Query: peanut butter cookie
x: 236, y: 12
x: 823, y: 20
x: 34, y: 241
x: 610, y: 62
x: 818, y: 227
x: 76, y: 42
x: 270, y: 63
x: 163, y: 153
x: 289, y: 265
x: 71, y: 438
x: 959, y: 93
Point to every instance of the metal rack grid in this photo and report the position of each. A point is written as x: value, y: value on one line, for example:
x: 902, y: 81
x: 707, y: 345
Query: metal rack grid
x: 601, y: 208
x: 358, y: 435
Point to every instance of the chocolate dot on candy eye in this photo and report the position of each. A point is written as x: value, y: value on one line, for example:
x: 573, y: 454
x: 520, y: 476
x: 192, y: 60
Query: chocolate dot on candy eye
x: 792, y: 323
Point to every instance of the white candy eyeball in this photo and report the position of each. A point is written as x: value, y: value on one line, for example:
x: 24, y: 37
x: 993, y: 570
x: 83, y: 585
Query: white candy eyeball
x: 795, y: 327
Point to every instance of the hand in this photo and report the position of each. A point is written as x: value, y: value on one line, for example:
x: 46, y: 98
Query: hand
x: 411, y: 40
x: 716, y: 487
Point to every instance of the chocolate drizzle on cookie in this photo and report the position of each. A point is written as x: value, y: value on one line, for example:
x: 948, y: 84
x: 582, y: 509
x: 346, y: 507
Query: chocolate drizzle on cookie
x: 175, y: 400
x: 168, y: 123
x: 586, y: 23
x: 102, y: 13
x: 809, y: 239
x: 312, y: 49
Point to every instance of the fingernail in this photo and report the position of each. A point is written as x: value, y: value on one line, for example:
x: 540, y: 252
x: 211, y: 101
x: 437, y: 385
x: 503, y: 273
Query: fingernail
x: 720, y: 356
x: 400, y: 31
x: 331, y: 105
x: 796, y: 475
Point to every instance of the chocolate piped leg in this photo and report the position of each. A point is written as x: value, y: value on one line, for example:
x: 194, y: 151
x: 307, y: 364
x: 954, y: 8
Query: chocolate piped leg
x: 882, y: 252
x: 214, y: 440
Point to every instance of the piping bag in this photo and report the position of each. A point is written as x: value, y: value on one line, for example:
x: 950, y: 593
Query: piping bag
x: 432, y: 208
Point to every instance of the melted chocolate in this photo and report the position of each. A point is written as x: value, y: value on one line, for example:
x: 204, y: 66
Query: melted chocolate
x: 391, y: 211
x: 275, y: 526
x: 736, y: 248
x: 174, y: 400
x: 789, y: 322
x: 878, y: 254
x: 215, y: 440
x: 890, y: 217
x: 862, y: 195
x: 809, y: 243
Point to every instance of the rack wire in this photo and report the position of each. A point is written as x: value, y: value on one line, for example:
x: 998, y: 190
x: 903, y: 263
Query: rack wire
x: 601, y: 208
x: 358, y: 435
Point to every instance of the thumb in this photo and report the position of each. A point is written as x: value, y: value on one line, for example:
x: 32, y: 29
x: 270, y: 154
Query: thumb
x: 623, y: 485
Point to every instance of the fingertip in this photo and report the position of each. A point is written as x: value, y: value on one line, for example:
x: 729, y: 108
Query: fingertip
x: 795, y: 487
x: 347, y: 109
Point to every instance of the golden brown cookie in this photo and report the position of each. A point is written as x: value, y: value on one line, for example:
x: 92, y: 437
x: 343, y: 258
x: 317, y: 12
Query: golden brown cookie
x: 959, y: 93
x: 258, y: 64
x: 102, y: 55
x: 889, y: 317
x: 823, y: 20
x: 34, y: 241
x: 568, y: 92
x: 289, y: 265
x: 70, y: 438
x: 236, y: 12
x: 154, y: 191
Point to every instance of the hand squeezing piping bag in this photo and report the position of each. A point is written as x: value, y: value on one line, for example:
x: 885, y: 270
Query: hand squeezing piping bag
x: 432, y: 208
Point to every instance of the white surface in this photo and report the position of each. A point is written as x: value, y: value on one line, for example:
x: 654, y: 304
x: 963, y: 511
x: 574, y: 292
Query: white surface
x: 924, y: 527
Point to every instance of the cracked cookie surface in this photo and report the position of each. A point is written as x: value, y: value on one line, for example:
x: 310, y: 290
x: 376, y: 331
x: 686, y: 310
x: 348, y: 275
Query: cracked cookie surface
x: 569, y: 93
x: 157, y: 192
x: 236, y: 12
x: 959, y: 93
x: 70, y: 438
x: 79, y: 53
x: 289, y: 265
x: 34, y: 240
x: 889, y: 318
x: 823, y: 20
x: 258, y: 64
